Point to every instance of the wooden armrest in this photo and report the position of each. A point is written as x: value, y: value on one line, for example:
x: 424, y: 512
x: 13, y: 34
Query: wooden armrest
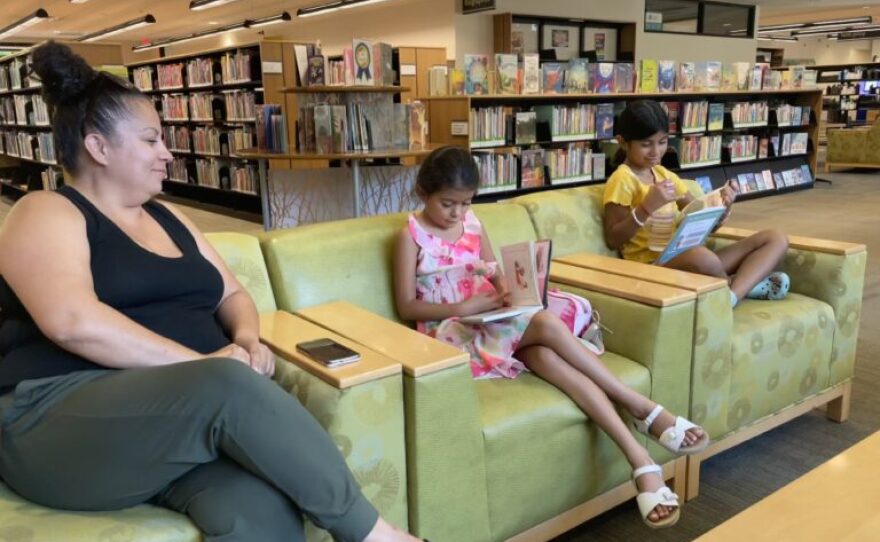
x: 417, y: 353
x: 282, y: 331
x: 692, y: 282
x: 649, y: 293
x: 803, y: 243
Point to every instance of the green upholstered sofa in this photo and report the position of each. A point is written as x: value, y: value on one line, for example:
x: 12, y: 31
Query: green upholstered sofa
x: 437, y: 452
x: 853, y: 147
x: 754, y: 367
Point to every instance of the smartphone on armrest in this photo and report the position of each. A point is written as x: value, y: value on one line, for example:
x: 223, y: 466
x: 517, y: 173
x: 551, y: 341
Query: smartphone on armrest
x: 328, y: 352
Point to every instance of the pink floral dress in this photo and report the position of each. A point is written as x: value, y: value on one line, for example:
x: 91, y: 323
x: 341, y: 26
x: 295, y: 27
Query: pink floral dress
x: 453, y: 272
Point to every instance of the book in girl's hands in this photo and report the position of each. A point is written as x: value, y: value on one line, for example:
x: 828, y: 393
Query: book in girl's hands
x: 692, y: 231
x: 526, y: 269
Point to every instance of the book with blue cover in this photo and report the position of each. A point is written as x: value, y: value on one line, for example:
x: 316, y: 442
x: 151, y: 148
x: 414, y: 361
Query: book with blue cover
x: 577, y: 77
x: 666, y: 75
x: 603, y: 82
x: 716, y: 116
x: 705, y: 183
x: 806, y: 174
x: 605, y: 121
x: 554, y: 78
x: 476, y: 74
x: 692, y: 232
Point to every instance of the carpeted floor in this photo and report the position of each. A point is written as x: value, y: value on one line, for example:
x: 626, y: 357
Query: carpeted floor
x: 848, y: 210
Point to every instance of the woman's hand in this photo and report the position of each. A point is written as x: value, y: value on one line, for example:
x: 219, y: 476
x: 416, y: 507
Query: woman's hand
x: 262, y: 360
x: 232, y: 351
x: 482, y: 303
x: 659, y: 195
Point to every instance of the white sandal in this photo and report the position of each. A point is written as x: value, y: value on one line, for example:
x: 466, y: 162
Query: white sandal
x: 649, y: 500
x: 673, y: 437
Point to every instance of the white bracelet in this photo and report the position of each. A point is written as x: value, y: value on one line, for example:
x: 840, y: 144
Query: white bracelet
x: 636, y: 218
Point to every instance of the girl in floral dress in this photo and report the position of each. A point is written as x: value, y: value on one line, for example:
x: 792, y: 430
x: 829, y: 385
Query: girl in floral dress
x: 445, y: 269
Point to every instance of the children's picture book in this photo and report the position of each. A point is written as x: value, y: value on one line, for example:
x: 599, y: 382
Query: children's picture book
x: 476, y: 74
x: 763, y: 147
x: 531, y: 74
x: 666, y: 75
x: 778, y: 180
x: 806, y: 174
x: 577, y: 79
x: 743, y: 182
x: 684, y: 80
x: 742, y: 70
x: 768, y: 180
x: 507, y: 71
x: 648, y: 75
x: 728, y: 77
x: 417, y: 127
x: 301, y: 56
x: 348, y: 65
x: 554, y: 77
x: 705, y: 183
x: 713, y: 76
x: 525, y: 127
x: 757, y: 76
x: 672, y: 110
x: 598, y: 166
x: 605, y: 121
x: 532, y: 168
x: 456, y: 82
x: 603, y: 83
x: 323, y: 129
x: 315, y: 73
x: 400, y: 126
x: 716, y: 117
x: 363, y: 62
x: 624, y: 77
x: 692, y: 231
x: 526, y: 269
x: 384, y: 64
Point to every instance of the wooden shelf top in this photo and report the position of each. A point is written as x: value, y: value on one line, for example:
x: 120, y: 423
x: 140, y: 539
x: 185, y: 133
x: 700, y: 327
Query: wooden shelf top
x: 640, y: 291
x: 341, y: 89
x: 620, y: 95
x: 256, y: 154
x: 282, y: 331
x: 418, y: 353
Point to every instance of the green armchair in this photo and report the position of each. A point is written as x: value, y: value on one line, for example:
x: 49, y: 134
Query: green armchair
x: 853, y: 147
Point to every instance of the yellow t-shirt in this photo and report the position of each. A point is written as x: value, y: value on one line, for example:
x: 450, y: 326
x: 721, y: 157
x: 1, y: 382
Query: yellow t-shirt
x: 624, y: 188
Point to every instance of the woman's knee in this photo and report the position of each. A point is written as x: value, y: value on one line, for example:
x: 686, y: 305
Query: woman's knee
x: 221, y: 376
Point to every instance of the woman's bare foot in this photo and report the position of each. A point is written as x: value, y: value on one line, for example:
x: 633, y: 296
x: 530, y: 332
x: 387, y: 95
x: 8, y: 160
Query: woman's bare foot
x: 385, y: 532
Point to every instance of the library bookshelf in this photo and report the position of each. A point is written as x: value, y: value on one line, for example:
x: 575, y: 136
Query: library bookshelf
x: 207, y: 103
x: 449, y: 121
x: 27, y: 148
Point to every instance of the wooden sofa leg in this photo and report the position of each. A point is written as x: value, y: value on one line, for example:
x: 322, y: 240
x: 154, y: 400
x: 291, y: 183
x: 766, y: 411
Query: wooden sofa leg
x: 838, y: 409
x: 679, y: 477
x: 693, y: 477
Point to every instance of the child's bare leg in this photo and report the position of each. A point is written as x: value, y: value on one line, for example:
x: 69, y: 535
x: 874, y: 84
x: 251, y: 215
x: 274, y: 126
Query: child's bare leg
x: 699, y: 260
x: 548, y: 330
x: 752, y: 259
x: 548, y: 365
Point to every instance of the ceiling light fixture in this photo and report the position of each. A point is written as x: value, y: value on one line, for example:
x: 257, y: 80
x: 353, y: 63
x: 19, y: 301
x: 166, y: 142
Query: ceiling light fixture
x: 266, y: 21
x: 24, y: 22
x: 78, y: 1
x: 829, y: 28
x: 198, y: 5
x: 330, y: 7
x: 140, y: 22
x: 762, y: 38
x: 191, y: 37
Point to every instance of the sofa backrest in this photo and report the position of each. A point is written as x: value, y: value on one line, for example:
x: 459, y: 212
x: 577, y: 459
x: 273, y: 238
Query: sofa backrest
x: 342, y: 260
x: 571, y: 217
x: 243, y: 256
x: 505, y: 225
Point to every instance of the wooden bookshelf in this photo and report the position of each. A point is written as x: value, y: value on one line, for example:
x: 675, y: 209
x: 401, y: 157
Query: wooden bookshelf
x: 446, y: 111
x: 293, y: 154
x: 271, y: 69
x: 20, y: 174
x: 341, y: 89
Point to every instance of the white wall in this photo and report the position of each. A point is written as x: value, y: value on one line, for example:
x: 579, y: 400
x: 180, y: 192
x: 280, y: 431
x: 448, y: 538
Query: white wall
x: 823, y: 51
x: 474, y: 33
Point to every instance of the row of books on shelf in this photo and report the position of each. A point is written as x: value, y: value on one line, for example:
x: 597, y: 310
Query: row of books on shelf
x: 524, y: 74
x: 764, y: 180
x: 238, y: 105
x: 39, y: 147
x: 271, y: 128
x: 215, y: 174
x: 698, y: 151
x: 50, y: 178
x: 700, y: 116
x: 230, y: 68
x: 497, y: 126
x: 704, y: 150
x: 363, y: 63
x: 360, y: 127
x: 15, y: 74
x: 535, y: 167
x: 208, y: 140
x: 25, y: 110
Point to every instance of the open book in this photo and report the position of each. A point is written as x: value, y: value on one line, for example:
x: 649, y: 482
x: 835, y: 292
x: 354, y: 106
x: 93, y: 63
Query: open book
x: 526, y: 269
x: 699, y: 218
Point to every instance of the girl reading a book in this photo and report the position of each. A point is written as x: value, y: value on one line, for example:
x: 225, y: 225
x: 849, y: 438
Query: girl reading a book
x: 643, y: 202
x: 444, y: 270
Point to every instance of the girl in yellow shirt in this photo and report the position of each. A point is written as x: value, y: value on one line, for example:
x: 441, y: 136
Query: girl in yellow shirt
x: 643, y: 201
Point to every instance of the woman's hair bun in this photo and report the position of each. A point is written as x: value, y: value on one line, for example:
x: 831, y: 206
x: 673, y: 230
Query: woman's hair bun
x: 64, y: 74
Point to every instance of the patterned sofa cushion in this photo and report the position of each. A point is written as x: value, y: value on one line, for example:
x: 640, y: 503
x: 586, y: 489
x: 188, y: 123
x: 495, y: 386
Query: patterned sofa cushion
x: 22, y: 521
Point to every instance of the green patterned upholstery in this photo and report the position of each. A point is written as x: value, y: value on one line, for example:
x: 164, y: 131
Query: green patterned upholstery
x: 243, y: 255
x: 854, y: 146
x: 22, y: 521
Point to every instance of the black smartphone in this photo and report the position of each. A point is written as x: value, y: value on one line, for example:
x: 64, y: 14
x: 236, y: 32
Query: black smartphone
x: 328, y: 352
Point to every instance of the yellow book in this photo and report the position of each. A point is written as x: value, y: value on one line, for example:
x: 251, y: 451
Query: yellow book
x: 648, y: 74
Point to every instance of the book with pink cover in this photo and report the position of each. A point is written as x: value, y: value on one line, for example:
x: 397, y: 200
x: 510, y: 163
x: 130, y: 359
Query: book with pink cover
x: 526, y: 269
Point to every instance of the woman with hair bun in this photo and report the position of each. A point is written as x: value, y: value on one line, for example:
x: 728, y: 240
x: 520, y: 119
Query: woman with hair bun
x: 132, y: 352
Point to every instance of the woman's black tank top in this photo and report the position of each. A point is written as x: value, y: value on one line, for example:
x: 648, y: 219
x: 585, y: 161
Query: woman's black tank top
x: 174, y: 297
